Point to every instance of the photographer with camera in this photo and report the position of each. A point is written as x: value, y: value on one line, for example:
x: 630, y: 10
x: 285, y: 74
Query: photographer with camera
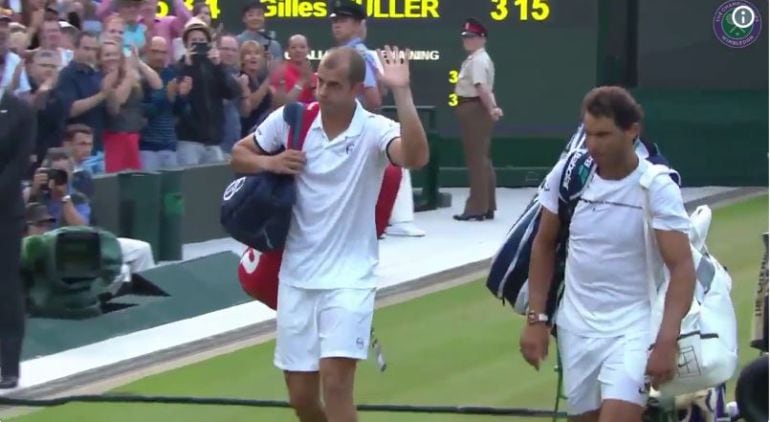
x: 51, y: 186
x: 200, y: 120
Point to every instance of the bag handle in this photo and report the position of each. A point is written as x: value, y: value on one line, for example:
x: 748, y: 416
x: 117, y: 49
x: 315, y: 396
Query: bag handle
x: 299, y: 117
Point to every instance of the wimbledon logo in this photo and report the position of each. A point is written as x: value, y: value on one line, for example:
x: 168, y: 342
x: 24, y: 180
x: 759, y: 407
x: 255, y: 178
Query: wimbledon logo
x: 737, y: 23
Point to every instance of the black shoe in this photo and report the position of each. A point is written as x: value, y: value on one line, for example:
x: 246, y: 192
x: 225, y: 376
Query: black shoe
x: 490, y: 215
x: 8, y: 382
x: 469, y: 217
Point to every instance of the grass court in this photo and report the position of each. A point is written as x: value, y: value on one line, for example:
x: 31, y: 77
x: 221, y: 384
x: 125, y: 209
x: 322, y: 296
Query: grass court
x: 454, y: 347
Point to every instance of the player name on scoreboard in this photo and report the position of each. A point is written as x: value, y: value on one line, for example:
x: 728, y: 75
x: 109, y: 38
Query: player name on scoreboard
x: 382, y: 9
x: 415, y: 55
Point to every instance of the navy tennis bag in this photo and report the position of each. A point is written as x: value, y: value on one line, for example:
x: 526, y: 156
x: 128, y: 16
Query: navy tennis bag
x: 256, y: 208
x: 509, y: 273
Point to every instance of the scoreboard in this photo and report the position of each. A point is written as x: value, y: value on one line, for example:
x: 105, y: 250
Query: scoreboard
x: 545, y: 51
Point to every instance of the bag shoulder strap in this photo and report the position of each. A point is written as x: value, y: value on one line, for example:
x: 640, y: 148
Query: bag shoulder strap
x: 650, y: 243
x: 579, y: 168
x: 299, y: 117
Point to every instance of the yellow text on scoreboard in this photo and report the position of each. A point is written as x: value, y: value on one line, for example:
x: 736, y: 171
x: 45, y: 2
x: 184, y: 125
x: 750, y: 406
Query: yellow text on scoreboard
x: 164, y: 9
x: 382, y: 9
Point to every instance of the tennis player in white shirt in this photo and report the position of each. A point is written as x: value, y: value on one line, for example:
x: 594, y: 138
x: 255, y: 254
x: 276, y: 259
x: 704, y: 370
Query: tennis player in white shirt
x: 603, y: 319
x: 327, y: 281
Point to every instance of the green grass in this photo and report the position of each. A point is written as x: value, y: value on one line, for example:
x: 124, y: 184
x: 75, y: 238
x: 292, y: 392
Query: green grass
x: 458, y: 346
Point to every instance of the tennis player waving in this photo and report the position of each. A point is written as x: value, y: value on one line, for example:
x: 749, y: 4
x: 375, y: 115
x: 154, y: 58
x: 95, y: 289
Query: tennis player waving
x: 327, y: 280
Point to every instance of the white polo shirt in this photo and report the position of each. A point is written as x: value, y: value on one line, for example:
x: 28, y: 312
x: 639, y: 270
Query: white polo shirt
x: 605, y: 283
x: 332, y: 240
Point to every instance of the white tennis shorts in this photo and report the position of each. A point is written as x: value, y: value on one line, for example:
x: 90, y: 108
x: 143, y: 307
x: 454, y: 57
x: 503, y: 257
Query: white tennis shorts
x: 317, y: 324
x: 598, y: 369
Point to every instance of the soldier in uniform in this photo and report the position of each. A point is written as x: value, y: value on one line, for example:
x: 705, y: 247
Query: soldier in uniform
x: 17, y: 141
x: 477, y: 111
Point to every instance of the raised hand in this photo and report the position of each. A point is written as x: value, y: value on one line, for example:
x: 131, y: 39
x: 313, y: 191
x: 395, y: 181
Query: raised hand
x: 395, y: 64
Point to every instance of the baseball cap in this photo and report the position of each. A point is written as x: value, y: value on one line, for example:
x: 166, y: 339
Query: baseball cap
x: 347, y: 8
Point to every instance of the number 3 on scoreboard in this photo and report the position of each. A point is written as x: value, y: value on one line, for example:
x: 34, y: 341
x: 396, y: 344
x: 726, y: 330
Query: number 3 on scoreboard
x: 501, y: 10
x: 539, y: 11
x: 453, y: 76
x: 453, y: 100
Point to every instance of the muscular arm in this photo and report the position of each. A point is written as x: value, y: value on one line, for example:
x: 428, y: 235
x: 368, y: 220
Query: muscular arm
x: 410, y: 150
x: 248, y: 158
x: 675, y: 249
x: 542, y: 260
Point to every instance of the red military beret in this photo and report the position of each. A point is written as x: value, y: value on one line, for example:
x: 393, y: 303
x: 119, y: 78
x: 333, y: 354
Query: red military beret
x: 474, y: 27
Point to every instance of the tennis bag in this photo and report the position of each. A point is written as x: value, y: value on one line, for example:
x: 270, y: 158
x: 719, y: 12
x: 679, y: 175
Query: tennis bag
x: 509, y: 273
x: 256, y: 209
x: 708, y: 340
x: 258, y: 274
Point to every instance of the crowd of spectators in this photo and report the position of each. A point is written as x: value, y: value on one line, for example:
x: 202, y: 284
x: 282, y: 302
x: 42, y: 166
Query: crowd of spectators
x: 155, y: 92
x: 117, y: 87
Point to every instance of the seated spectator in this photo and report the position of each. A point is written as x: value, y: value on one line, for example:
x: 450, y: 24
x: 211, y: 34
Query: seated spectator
x: 157, y: 145
x: 125, y: 116
x: 49, y: 104
x: 84, y: 90
x: 295, y: 79
x: 52, y: 186
x: 68, y: 207
x: 255, y: 81
x: 228, y: 54
x: 199, y: 124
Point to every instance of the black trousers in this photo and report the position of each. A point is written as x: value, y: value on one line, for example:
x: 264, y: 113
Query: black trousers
x: 12, y: 313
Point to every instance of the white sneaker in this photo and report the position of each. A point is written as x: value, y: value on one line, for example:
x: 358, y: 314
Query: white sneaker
x: 406, y: 229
